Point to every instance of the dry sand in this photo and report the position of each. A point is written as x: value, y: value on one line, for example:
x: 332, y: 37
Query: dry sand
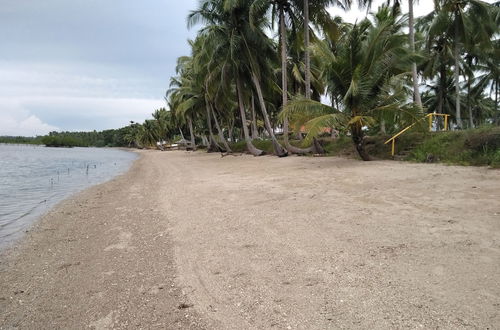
x: 193, y: 240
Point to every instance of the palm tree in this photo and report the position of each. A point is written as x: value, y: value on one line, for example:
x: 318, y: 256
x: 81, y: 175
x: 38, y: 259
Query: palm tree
x: 162, y: 121
x: 368, y: 71
x: 411, y: 35
x: 222, y: 64
x: 185, y: 96
x: 291, y: 10
x: 148, y: 133
x: 456, y: 19
x: 411, y: 25
x: 322, y: 19
x: 235, y: 47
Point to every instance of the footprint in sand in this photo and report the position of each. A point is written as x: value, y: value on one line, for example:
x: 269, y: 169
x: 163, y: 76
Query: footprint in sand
x: 104, y: 323
x: 123, y: 242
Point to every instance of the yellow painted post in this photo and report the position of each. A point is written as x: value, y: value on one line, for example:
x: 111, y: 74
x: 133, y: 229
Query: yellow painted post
x: 430, y: 122
x: 393, y: 147
x: 446, y: 122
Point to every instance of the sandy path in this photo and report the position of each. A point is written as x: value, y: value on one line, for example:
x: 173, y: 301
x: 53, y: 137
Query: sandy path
x: 264, y: 243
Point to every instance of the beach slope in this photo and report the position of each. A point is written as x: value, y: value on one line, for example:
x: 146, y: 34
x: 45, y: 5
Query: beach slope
x: 193, y: 240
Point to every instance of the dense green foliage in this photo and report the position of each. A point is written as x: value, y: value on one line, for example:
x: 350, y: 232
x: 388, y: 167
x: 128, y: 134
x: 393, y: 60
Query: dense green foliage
x: 21, y: 140
x: 468, y: 147
x: 106, y: 138
x: 478, y: 147
x: 61, y: 140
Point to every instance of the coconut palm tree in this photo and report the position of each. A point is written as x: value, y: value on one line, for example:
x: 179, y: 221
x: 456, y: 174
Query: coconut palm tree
x: 236, y: 45
x: 162, y: 121
x: 185, y: 96
x: 411, y: 35
x: 148, y: 133
x: 368, y: 71
x: 291, y: 10
x: 458, y: 19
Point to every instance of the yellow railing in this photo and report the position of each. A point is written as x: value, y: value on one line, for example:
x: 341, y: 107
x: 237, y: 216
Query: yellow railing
x: 430, y: 117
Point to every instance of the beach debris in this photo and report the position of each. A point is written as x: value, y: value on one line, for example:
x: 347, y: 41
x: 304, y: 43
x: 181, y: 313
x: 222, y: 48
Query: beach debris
x: 67, y: 265
x: 184, y: 306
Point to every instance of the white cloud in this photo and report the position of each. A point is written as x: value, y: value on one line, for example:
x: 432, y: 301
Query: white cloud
x: 36, y: 98
x: 15, y: 121
x: 34, y: 126
x: 38, y: 115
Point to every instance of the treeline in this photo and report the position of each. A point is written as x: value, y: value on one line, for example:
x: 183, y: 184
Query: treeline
x: 21, y: 139
x: 106, y: 138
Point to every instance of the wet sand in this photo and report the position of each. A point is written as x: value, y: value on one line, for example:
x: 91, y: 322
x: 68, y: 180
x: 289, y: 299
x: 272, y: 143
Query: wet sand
x: 192, y: 240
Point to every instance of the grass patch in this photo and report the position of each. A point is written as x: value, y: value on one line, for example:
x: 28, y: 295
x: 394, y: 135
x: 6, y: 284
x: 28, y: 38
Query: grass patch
x: 478, y: 147
x: 241, y: 146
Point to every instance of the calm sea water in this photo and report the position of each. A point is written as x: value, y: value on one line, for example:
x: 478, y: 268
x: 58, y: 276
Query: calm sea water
x: 34, y: 178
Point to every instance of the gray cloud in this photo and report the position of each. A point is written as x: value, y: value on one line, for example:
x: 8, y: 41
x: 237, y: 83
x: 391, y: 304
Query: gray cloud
x: 86, y: 64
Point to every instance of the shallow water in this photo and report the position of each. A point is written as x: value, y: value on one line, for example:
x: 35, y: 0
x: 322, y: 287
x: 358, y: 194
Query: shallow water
x: 34, y: 178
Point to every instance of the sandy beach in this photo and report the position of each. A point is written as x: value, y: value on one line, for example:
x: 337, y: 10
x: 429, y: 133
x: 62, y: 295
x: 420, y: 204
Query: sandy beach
x: 195, y: 241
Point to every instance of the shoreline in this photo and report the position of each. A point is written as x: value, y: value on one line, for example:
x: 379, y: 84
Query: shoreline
x: 12, y: 245
x: 47, y: 202
x: 193, y: 241
x: 56, y: 276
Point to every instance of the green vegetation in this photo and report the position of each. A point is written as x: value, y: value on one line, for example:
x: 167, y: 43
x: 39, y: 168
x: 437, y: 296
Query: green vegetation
x: 107, y: 138
x: 62, y: 141
x: 21, y: 140
x: 478, y: 147
x: 469, y: 147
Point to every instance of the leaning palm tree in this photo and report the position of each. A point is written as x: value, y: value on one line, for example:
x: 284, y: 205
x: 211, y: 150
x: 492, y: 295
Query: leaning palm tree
x: 235, y: 47
x: 184, y: 96
x: 224, y: 63
x: 148, y: 133
x: 368, y: 70
x: 162, y: 121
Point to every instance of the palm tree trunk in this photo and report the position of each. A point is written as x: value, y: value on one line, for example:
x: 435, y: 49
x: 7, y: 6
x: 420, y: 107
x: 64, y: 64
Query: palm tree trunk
x: 416, y: 92
x: 457, y: 77
x: 255, y: 132
x: 284, y: 84
x: 306, y: 50
x: 382, y: 126
x: 278, y: 149
x: 191, y: 133
x: 251, y: 148
x: 441, y: 91
x: 496, y: 102
x: 497, y: 114
x: 221, y: 134
x: 182, y: 135
x: 213, y: 146
x: 471, y: 117
x: 204, y: 140
x: 359, y: 141
x: 231, y: 130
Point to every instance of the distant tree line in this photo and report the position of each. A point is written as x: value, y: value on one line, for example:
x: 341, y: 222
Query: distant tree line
x: 106, y: 138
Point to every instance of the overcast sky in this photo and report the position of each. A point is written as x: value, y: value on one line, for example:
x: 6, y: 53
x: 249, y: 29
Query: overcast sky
x: 92, y: 64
